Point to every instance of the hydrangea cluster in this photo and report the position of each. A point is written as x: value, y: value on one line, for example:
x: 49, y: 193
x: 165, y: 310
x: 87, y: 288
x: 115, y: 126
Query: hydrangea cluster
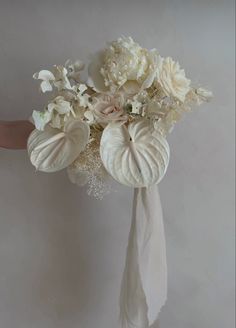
x: 128, y: 88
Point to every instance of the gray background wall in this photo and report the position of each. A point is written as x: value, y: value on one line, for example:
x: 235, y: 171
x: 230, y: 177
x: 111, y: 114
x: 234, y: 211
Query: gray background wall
x: 61, y: 252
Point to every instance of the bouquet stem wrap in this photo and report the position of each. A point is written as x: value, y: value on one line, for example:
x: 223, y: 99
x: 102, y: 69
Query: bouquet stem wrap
x: 144, y: 282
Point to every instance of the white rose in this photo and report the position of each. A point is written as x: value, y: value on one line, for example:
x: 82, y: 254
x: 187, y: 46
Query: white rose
x: 106, y: 108
x: 123, y: 64
x: 172, y: 79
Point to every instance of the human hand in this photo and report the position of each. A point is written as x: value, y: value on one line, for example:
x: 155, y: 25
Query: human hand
x: 14, y: 134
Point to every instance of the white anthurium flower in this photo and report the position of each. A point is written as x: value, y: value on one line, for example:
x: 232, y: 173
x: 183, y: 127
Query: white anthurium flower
x: 123, y: 64
x: 41, y: 119
x: 148, y: 78
x: 95, y: 78
x: 53, y: 149
x: 47, y: 78
x: 172, y: 79
x: 135, y: 155
x: 74, y: 69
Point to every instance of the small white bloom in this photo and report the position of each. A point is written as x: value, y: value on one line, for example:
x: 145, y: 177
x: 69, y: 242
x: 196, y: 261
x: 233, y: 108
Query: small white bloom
x: 41, y: 119
x: 82, y: 96
x: 203, y: 95
x: 60, y: 110
x: 60, y: 105
x: 47, y: 78
x: 57, y: 78
x: 61, y: 79
x: 136, y: 106
x: 74, y: 69
x: 89, y: 117
x: 172, y: 79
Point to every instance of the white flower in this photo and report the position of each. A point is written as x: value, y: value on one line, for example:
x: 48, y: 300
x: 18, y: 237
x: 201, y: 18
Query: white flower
x: 106, y: 108
x: 60, y: 105
x: 172, y: 79
x: 74, y: 69
x: 60, y: 111
x: 56, y: 113
x: 58, y: 78
x: 123, y: 64
x: 41, y: 119
x: 61, y: 79
x: 136, y: 106
x: 82, y: 97
x: 203, y: 95
x: 47, y: 80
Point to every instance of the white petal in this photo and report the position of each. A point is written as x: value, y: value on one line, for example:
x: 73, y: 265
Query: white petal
x: 41, y: 119
x: 136, y: 156
x: 89, y: 116
x: 56, y: 121
x: 44, y: 75
x: 95, y: 78
x: 53, y: 150
x: 131, y: 87
x: 45, y: 86
x: 82, y: 88
x: 63, y: 107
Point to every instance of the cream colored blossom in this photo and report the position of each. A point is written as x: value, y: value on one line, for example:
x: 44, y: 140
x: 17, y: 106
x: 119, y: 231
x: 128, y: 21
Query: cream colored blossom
x: 56, y: 113
x: 172, y: 79
x: 41, y: 119
x: 47, y: 79
x: 60, y: 110
x: 123, y: 64
x: 106, y: 108
x: 74, y: 69
x: 204, y: 95
x: 58, y: 78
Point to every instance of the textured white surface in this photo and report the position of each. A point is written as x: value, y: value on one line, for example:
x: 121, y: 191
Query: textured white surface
x: 52, y: 150
x: 62, y: 253
x: 135, y: 156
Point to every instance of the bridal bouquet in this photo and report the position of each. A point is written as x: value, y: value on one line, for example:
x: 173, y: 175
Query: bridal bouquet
x: 115, y: 123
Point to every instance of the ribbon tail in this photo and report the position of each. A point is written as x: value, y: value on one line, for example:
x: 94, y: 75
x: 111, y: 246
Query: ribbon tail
x: 144, y: 282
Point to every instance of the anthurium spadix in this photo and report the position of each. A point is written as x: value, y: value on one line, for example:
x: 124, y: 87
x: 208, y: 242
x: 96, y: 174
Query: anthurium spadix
x: 53, y: 150
x: 136, y: 155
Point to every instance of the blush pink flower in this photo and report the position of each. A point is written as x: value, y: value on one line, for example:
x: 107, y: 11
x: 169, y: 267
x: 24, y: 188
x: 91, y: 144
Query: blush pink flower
x: 106, y: 109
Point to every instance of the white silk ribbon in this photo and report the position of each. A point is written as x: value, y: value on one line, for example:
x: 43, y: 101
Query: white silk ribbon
x: 144, y: 282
